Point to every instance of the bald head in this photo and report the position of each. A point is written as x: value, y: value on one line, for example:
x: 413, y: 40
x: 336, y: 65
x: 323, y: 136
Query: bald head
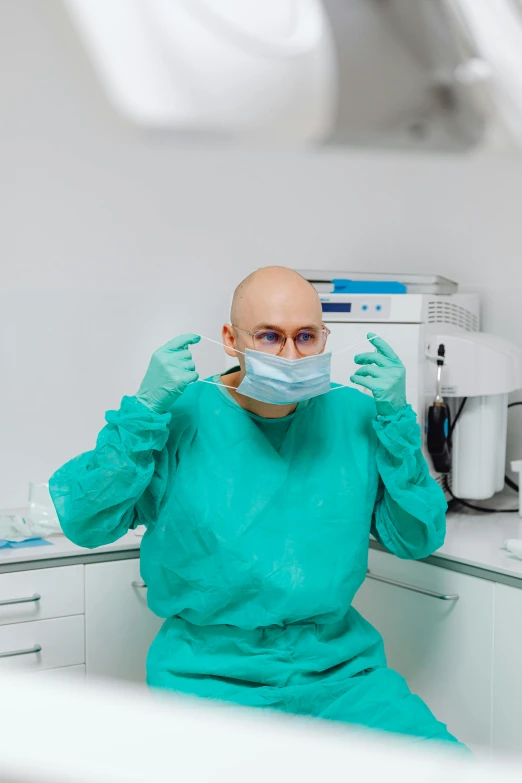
x: 272, y: 298
x: 275, y: 296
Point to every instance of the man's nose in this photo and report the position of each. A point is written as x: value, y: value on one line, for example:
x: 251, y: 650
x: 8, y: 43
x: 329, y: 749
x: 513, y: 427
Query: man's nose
x: 289, y: 350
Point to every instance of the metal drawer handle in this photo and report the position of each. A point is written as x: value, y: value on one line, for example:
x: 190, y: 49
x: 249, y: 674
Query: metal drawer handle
x: 430, y: 593
x: 30, y: 600
x: 139, y: 583
x: 32, y: 651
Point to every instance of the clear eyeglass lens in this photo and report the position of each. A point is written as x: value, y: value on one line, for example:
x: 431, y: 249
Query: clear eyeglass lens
x: 308, y: 342
x: 269, y: 341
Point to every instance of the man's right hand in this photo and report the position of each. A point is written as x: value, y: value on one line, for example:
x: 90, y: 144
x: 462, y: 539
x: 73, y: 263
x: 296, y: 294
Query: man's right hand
x: 170, y: 371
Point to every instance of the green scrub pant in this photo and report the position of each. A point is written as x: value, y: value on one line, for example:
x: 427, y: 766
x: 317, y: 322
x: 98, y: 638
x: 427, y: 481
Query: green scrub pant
x: 377, y: 698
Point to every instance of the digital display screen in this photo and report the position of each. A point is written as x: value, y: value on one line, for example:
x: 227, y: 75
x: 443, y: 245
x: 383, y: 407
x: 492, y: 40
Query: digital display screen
x: 337, y: 307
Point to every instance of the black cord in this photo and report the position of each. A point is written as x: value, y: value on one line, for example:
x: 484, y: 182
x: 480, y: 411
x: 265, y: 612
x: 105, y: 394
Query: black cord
x: 477, y: 508
x: 512, y: 404
x: 452, y: 427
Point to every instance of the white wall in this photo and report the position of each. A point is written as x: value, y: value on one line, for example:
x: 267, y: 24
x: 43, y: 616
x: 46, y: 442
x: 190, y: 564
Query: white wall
x: 112, y: 241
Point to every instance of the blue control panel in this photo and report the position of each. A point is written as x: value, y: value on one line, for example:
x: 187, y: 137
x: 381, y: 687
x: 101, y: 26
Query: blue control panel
x: 341, y: 307
x: 346, y: 307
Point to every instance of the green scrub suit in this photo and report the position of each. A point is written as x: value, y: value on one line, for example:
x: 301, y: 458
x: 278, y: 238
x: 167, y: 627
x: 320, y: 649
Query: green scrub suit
x: 257, y: 542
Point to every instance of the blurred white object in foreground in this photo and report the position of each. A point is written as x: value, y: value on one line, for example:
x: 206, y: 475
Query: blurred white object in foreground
x: 491, y: 34
x: 243, y: 65
x: 56, y: 732
x: 413, y: 74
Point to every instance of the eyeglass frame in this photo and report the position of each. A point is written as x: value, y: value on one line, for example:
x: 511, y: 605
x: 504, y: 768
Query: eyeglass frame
x: 252, y: 334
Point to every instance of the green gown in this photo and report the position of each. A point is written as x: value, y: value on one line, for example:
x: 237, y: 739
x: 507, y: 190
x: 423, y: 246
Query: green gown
x: 257, y: 542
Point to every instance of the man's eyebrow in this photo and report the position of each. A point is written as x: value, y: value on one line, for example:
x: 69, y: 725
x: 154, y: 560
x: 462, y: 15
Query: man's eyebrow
x: 267, y: 326
x: 280, y: 329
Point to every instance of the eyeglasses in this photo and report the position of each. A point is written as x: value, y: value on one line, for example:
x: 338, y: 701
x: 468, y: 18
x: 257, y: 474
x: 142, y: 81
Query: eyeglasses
x: 308, y: 342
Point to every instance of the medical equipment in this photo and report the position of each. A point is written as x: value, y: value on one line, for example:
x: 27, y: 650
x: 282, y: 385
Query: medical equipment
x: 438, y: 425
x: 478, y: 366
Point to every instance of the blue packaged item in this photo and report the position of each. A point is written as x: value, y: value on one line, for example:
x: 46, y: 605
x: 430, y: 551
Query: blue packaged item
x: 24, y: 544
x: 342, y: 286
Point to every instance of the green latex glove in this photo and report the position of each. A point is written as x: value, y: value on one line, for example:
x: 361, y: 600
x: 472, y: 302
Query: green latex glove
x: 384, y: 374
x: 170, y: 371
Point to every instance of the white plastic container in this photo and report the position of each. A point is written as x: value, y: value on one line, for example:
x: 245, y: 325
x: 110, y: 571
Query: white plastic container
x: 480, y: 447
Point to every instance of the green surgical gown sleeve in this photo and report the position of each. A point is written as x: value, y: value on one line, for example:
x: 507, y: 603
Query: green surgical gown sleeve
x: 409, y: 518
x: 102, y: 493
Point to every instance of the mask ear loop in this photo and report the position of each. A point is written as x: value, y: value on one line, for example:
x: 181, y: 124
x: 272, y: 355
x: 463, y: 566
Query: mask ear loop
x: 367, y: 339
x: 343, y: 385
x: 213, y: 383
x: 216, y: 342
x: 340, y: 386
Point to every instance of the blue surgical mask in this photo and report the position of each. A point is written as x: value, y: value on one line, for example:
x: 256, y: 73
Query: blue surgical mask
x: 281, y: 381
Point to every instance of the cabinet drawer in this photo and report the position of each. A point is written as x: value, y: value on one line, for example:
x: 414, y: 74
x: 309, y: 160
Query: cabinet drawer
x: 41, y: 594
x: 43, y: 644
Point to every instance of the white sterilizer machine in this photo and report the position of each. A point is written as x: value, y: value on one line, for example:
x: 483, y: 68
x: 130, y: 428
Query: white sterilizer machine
x: 450, y: 365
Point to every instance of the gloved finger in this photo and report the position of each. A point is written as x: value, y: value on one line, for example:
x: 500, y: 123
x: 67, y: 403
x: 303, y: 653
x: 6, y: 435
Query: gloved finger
x: 182, y: 341
x: 184, y: 377
x: 368, y: 372
x: 373, y: 358
x: 183, y: 355
x: 367, y: 383
x: 190, y: 366
x: 382, y: 346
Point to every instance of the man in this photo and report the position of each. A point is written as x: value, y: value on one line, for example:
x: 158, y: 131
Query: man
x: 259, y: 489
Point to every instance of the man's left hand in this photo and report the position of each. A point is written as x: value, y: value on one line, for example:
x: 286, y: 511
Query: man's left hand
x: 384, y: 375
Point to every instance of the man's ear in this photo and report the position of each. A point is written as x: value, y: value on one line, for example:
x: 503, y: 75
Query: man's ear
x: 229, y: 339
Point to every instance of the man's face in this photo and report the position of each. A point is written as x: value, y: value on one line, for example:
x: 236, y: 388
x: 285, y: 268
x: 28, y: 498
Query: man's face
x: 288, y: 305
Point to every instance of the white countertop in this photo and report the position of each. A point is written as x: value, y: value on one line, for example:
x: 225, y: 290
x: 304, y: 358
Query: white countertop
x: 471, y: 539
x: 478, y: 540
x: 62, y: 547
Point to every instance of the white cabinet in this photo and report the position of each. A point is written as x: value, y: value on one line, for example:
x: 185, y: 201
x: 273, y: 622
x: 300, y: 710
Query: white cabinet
x: 41, y: 594
x: 507, y: 670
x: 119, y: 625
x: 462, y: 656
x: 444, y: 648
x: 42, y: 644
x: 41, y: 620
x: 76, y: 621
